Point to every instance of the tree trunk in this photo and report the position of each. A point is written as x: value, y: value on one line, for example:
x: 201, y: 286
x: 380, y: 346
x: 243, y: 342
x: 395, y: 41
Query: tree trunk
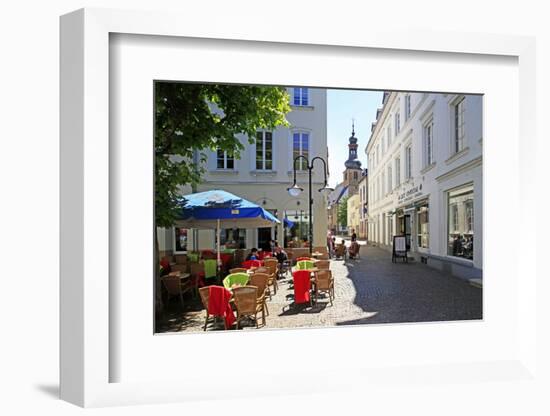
x: 158, y: 289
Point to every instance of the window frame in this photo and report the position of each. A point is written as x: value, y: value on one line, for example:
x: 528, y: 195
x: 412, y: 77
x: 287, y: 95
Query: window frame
x: 301, y: 162
x: 174, y: 239
x: 407, y: 107
x: 226, y: 158
x: 419, y: 234
x: 461, y: 190
x: 428, y: 143
x: 397, y: 162
x: 397, y: 122
x: 458, y: 122
x: 301, y: 97
x: 408, y: 161
x: 264, y: 159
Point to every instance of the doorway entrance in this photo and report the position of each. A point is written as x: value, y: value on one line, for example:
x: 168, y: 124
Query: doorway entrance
x: 265, y: 235
x: 404, y: 224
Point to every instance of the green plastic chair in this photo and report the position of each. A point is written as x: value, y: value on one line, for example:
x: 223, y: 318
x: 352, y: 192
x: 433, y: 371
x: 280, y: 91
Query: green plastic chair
x: 210, y: 268
x: 235, y: 278
x: 304, y: 265
x: 193, y: 257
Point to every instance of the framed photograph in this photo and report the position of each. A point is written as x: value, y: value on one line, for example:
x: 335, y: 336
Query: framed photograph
x: 233, y: 201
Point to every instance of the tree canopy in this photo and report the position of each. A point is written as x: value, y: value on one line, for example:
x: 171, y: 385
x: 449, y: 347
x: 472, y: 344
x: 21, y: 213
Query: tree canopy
x: 191, y: 118
x: 343, y: 212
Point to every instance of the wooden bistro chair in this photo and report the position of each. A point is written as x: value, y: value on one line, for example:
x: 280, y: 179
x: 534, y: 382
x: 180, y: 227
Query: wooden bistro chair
x: 324, y: 283
x: 237, y: 270
x: 174, y: 287
x: 341, y: 251
x: 260, y: 280
x: 272, y: 265
x: 322, y: 264
x: 302, y: 286
x: 204, y: 293
x: 246, y: 303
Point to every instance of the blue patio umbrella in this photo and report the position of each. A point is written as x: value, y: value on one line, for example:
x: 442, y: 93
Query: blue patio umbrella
x: 288, y: 223
x: 218, y: 209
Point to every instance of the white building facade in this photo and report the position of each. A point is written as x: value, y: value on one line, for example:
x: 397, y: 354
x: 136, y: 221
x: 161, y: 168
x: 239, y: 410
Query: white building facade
x: 425, y: 179
x: 262, y: 175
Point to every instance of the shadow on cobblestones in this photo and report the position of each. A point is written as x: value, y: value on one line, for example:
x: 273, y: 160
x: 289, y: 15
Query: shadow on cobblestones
x: 413, y: 292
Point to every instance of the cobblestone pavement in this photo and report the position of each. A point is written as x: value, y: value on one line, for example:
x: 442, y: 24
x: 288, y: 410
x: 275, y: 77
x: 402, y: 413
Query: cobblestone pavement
x: 369, y: 290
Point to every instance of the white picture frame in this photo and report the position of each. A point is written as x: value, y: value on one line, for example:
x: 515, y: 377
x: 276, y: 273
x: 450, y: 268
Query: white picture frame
x: 86, y: 336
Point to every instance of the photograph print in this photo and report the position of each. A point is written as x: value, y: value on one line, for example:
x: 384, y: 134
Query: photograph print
x: 281, y: 207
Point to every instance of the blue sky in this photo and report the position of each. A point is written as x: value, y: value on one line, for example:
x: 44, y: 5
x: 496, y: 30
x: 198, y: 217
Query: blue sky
x: 342, y: 106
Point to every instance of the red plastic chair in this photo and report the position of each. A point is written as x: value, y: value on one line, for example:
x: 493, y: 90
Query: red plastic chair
x: 302, y: 286
x: 251, y: 263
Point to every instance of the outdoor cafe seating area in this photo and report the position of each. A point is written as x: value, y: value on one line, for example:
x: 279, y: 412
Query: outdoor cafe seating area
x: 237, y: 293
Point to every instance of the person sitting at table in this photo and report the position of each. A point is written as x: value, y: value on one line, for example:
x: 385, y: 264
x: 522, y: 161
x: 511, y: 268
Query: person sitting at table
x: 342, y: 247
x: 253, y: 255
x: 280, y: 255
x: 353, y: 250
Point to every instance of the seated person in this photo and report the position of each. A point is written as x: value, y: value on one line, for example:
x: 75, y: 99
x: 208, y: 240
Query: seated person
x: 341, y: 248
x: 354, y: 249
x: 305, y: 243
x: 253, y: 255
x: 280, y: 255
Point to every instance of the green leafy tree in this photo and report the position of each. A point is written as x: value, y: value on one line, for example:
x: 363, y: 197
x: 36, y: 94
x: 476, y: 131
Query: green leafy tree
x: 191, y: 119
x: 343, y: 212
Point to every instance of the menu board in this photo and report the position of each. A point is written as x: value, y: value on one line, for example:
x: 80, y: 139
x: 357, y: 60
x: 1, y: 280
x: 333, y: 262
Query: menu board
x: 399, y: 248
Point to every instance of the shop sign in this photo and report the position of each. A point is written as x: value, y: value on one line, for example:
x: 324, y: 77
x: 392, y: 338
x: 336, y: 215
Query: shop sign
x: 411, y: 193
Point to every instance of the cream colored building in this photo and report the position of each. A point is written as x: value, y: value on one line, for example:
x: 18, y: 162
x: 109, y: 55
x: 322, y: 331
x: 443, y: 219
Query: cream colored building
x: 263, y: 173
x: 425, y: 178
x: 354, y: 213
x: 362, y: 231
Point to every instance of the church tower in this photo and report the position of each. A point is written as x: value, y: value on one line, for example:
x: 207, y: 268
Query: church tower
x: 352, y: 174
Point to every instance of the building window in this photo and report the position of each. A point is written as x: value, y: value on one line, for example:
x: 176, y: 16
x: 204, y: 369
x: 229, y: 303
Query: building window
x: 461, y: 222
x: 300, y: 146
x: 180, y: 239
x: 397, y: 123
x: 423, y: 222
x: 407, y: 107
x: 383, y: 183
x: 458, y: 134
x: 301, y: 96
x: 390, y: 187
x: 388, y: 136
x: 264, y: 150
x: 428, y: 144
x: 355, y: 175
x: 408, y: 162
x: 232, y: 237
x: 224, y: 160
x: 397, y: 172
x: 298, y: 234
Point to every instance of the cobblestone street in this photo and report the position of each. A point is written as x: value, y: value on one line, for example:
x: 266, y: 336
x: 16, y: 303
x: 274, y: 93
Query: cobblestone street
x: 369, y: 290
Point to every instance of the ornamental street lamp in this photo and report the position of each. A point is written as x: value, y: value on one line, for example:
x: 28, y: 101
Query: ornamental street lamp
x: 295, y: 190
